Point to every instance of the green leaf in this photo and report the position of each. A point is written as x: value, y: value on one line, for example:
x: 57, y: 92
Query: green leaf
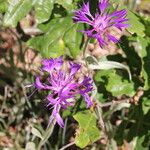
x: 72, y: 39
x: 88, y: 132
x: 67, y: 4
x: 43, y: 10
x: 135, y: 26
x: 139, y: 143
x: 117, y: 86
x: 60, y: 36
x: 16, y: 11
x: 144, y: 53
x: 106, y: 65
x: 3, y: 6
x: 115, y: 83
x: 51, y: 44
x: 145, y: 105
x: 36, y: 132
x: 30, y: 146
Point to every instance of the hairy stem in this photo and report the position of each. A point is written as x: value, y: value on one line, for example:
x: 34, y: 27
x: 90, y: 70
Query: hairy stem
x: 85, y: 46
x: 47, y: 134
x: 68, y: 145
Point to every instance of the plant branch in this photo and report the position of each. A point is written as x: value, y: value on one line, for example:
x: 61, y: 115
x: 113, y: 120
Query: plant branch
x: 64, y: 131
x: 68, y: 145
x: 85, y: 46
x: 47, y: 133
x: 127, y: 100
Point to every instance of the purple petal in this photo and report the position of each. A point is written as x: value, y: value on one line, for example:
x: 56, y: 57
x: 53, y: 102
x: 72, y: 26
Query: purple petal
x: 86, y: 8
x: 88, y: 32
x: 51, y: 64
x: 87, y: 100
x: 51, y: 100
x: 100, y: 40
x: 112, y: 38
x: 103, y: 5
x: 59, y: 120
x: 39, y: 85
x: 86, y: 85
x: 83, y: 15
x: 56, y: 115
x: 74, y: 68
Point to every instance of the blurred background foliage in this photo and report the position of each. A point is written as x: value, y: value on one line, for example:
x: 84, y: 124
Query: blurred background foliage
x: 35, y: 29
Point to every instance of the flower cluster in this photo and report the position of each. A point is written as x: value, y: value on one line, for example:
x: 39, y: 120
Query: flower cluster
x: 102, y: 22
x: 63, y: 86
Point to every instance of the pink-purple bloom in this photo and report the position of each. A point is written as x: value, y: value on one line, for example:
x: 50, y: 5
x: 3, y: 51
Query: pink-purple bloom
x: 102, y: 21
x: 62, y: 86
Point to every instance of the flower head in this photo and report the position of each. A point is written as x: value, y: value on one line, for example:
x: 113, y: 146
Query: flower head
x: 63, y: 86
x: 102, y: 21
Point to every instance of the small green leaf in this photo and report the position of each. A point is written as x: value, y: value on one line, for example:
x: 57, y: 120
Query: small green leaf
x: 88, y: 132
x: 43, y: 10
x: 30, y: 146
x: 135, y: 26
x: 146, y: 105
x: 36, y: 132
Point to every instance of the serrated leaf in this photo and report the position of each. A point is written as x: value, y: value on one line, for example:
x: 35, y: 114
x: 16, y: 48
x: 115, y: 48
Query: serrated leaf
x: 135, y: 25
x: 88, y: 131
x: 16, y: 11
x: 43, y: 10
x: 36, y: 132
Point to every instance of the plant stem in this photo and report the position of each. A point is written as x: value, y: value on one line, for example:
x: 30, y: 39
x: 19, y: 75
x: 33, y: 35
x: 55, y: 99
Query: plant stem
x: 68, y: 145
x: 85, y: 46
x: 47, y: 133
x: 114, y: 102
x: 64, y: 131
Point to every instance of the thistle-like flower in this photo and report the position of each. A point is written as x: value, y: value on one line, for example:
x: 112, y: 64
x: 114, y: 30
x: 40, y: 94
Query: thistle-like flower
x: 102, y: 21
x: 62, y: 86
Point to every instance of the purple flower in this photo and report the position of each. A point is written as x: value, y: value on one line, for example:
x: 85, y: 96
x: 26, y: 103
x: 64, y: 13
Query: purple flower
x: 62, y: 86
x: 102, y: 21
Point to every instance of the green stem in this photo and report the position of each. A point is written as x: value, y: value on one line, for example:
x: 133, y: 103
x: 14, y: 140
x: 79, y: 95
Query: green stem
x: 47, y: 134
x: 85, y: 46
x: 64, y: 131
